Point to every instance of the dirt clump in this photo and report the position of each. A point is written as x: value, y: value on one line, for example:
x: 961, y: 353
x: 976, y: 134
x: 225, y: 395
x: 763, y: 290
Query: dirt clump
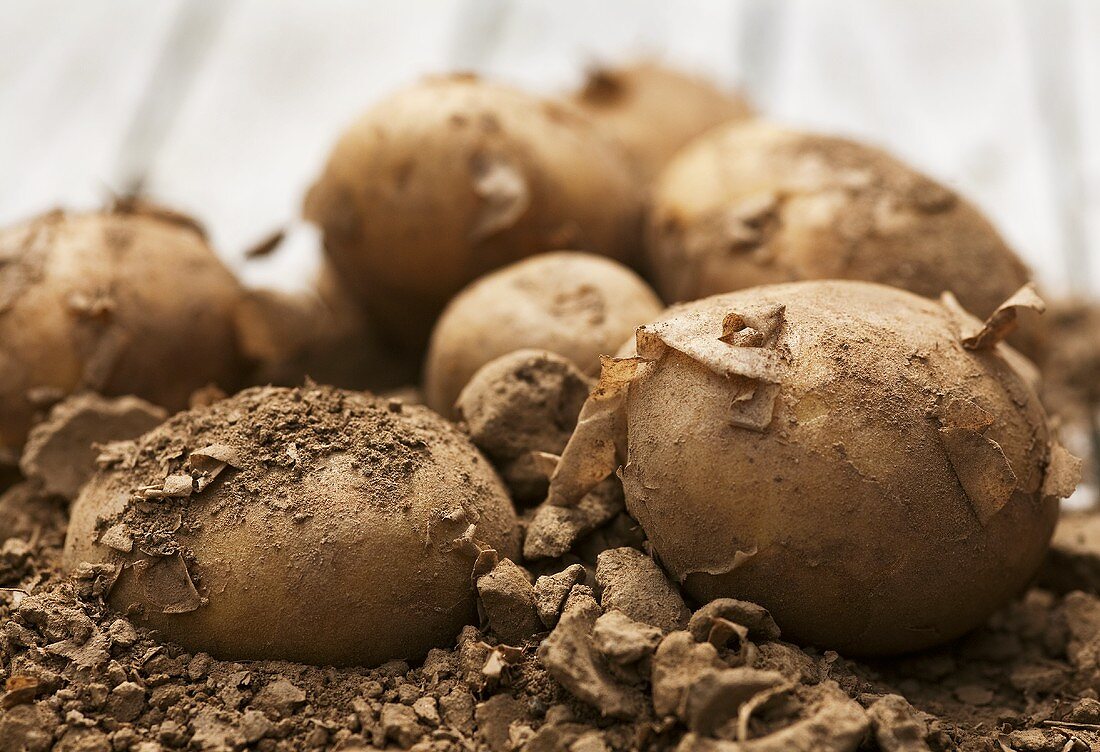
x: 520, y: 405
x: 61, y: 450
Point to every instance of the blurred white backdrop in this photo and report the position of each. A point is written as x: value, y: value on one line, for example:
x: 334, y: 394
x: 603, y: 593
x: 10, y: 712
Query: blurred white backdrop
x: 227, y: 108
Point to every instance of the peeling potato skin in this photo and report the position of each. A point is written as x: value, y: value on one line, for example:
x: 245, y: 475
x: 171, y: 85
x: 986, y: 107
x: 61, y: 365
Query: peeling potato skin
x: 653, y: 110
x: 454, y: 177
x: 346, y: 564
x: 865, y: 540
x: 752, y: 204
x: 577, y: 305
x: 118, y: 302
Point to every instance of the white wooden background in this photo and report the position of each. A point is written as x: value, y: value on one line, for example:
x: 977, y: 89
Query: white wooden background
x: 227, y: 108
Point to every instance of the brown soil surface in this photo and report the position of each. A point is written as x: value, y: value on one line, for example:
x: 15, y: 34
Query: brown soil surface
x: 81, y: 678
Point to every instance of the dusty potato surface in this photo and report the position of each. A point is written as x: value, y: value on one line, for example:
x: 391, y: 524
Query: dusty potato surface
x: 654, y: 110
x: 311, y: 524
x: 118, y: 302
x: 453, y: 177
x: 752, y: 203
x: 832, y: 451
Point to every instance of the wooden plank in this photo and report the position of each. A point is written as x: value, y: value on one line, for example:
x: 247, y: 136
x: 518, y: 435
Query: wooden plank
x: 71, y: 76
x: 274, y: 93
x: 947, y: 86
x: 957, y: 89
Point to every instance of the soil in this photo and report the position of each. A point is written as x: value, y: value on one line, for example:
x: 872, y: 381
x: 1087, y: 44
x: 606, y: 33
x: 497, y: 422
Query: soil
x: 588, y: 650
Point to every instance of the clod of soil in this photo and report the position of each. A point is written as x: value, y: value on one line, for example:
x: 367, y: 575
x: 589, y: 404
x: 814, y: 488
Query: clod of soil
x: 519, y: 406
x: 61, y: 450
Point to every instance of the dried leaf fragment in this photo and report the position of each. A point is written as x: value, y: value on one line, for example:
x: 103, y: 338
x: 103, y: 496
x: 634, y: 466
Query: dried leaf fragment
x: 174, y: 487
x: 691, y: 335
x: 753, y: 328
x: 209, y: 462
x: 19, y: 689
x: 965, y: 413
x: 979, y: 463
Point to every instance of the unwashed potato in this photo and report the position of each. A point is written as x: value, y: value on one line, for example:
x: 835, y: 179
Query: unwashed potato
x: 311, y: 525
x: 863, y: 462
x: 577, y: 305
x: 125, y: 301
x: 654, y: 110
x: 321, y: 334
x: 454, y: 177
x: 753, y: 204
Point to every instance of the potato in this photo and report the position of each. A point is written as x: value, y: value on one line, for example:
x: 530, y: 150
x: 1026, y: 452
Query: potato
x: 1071, y: 368
x: 454, y: 177
x: 1071, y: 383
x: 321, y: 334
x: 125, y: 301
x: 312, y: 525
x: 577, y: 305
x: 753, y: 204
x: 654, y: 110
x: 863, y: 462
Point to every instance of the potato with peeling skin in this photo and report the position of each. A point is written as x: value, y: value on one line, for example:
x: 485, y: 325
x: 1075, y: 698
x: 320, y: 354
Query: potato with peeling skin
x: 576, y: 305
x: 454, y: 177
x: 311, y: 525
x: 125, y: 301
x: 654, y: 110
x: 754, y: 204
x: 863, y: 462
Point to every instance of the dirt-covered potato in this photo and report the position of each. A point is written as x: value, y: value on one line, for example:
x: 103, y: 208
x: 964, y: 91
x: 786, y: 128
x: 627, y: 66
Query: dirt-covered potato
x: 863, y: 462
x: 454, y: 177
x: 312, y: 525
x: 320, y: 333
x: 126, y: 301
x: 654, y: 110
x: 577, y: 305
x: 1071, y: 383
x: 753, y: 204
